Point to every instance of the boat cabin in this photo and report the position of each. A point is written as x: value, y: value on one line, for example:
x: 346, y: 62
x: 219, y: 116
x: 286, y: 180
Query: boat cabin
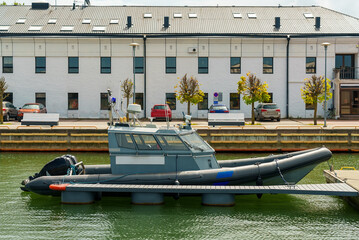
x: 154, y: 150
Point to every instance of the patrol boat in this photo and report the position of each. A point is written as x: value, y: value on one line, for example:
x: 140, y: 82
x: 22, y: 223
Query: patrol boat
x: 171, y: 156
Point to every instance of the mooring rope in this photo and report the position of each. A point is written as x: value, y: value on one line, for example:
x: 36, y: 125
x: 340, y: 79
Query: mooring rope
x: 280, y: 173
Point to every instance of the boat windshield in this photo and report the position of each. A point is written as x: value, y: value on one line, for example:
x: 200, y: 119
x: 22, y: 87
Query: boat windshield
x: 194, y: 141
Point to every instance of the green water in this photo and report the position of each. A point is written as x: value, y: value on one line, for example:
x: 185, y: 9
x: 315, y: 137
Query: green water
x: 30, y: 216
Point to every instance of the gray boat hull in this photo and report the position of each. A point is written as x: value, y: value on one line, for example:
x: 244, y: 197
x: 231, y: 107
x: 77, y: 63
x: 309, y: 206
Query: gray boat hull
x: 272, y: 170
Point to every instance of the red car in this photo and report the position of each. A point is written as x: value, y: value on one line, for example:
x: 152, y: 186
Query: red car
x: 30, y: 108
x: 161, y: 111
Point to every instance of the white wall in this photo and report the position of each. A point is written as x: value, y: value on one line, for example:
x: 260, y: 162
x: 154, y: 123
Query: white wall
x: 89, y: 83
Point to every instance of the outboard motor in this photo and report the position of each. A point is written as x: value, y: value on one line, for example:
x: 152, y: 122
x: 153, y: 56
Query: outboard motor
x: 59, y: 166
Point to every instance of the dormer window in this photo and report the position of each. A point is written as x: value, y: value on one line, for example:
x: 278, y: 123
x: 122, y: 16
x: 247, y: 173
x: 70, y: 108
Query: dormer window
x: 4, y: 28
x: 114, y: 21
x: 308, y: 15
x: 252, y: 15
x: 86, y: 21
x: 67, y: 28
x: 99, y: 29
x: 21, y: 21
x: 147, y: 15
x: 192, y: 15
x: 35, y: 28
x: 177, y: 15
x: 52, y: 21
x: 237, y: 15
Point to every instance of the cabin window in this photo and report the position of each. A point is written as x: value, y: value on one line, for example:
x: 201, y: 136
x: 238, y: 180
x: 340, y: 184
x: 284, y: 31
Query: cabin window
x: 146, y: 142
x: 172, y: 143
x: 125, y: 141
x: 195, y: 142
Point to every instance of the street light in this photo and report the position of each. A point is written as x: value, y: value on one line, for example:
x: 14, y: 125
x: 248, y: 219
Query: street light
x: 325, y: 45
x: 134, y: 45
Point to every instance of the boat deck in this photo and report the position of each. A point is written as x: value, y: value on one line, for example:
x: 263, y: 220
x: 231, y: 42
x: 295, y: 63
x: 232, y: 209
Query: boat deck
x: 334, y: 189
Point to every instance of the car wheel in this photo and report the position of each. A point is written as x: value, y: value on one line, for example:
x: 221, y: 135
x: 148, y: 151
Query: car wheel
x: 170, y: 119
x: 6, y: 118
x: 278, y: 119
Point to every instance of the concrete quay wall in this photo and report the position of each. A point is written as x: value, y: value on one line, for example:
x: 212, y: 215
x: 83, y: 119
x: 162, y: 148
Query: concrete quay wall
x: 221, y: 139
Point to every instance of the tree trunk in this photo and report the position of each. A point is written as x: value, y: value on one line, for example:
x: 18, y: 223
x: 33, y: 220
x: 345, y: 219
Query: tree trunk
x: 253, y: 113
x: 188, y: 108
x: 127, y: 114
x: 315, y: 113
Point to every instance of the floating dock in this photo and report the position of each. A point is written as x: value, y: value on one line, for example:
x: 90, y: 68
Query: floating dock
x: 349, y: 177
x: 211, y: 195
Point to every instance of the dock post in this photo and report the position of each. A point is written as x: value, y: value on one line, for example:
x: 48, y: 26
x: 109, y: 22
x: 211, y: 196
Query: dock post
x: 77, y: 197
x: 147, y: 198
x: 218, y: 199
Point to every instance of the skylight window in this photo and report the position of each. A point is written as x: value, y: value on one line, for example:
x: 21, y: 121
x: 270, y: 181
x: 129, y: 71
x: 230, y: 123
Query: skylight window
x: 147, y: 15
x: 237, y: 15
x: 35, y: 28
x: 114, y: 21
x: 21, y: 21
x: 4, y: 28
x: 99, y: 29
x: 308, y: 15
x: 86, y: 21
x: 67, y: 28
x: 177, y: 15
x: 252, y: 15
x: 52, y: 21
x: 192, y: 15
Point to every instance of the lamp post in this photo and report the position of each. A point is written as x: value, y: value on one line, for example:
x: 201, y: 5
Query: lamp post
x: 134, y: 45
x: 325, y: 45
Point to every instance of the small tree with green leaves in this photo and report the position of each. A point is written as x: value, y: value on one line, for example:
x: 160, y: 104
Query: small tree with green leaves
x: 3, y: 87
x: 253, y: 90
x: 313, y: 92
x: 126, y: 88
x: 187, y: 90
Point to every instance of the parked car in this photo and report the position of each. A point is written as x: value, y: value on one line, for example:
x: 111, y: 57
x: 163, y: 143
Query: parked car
x: 9, y: 111
x: 267, y: 111
x: 161, y: 111
x: 218, y: 108
x: 31, y: 108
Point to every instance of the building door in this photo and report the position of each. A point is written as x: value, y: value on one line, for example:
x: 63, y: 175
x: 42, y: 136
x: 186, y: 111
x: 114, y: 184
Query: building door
x: 349, y: 102
x: 345, y: 63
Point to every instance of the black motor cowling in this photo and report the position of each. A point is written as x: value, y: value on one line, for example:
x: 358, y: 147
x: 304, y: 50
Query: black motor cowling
x: 58, y: 166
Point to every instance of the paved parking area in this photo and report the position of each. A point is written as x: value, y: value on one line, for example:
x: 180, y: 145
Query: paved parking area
x: 284, y: 123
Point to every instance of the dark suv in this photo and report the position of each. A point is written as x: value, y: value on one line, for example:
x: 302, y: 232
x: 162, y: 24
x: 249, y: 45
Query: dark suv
x: 9, y: 111
x: 267, y: 111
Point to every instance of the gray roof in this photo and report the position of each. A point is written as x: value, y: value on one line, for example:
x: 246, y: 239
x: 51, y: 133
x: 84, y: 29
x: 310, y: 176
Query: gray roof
x: 209, y: 21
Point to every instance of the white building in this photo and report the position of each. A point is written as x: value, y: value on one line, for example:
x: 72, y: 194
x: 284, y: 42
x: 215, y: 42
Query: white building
x: 68, y: 57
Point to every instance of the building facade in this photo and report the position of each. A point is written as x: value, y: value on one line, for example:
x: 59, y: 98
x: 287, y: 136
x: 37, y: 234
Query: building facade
x: 67, y: 57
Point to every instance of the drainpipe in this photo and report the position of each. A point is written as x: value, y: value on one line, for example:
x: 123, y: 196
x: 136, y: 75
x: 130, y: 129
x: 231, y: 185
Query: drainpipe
x: 287, y: 75
x: 144, y: 76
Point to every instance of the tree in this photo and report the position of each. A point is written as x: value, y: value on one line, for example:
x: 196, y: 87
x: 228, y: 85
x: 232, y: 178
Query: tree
x: 126, y: 88
x: 253, y: 90
x: 313, y: 92
x: 3, y: 87
x: 189, y: 92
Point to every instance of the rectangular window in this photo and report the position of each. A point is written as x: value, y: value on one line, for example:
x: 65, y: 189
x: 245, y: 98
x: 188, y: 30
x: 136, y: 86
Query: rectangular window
x: 234, y: 101
x: 146, y: 142
x: 268, y: 65
x: 311, y: 65
x: 270, y: 100
x: 204, y: 104
x: 203, y: 65
x: 139, y: 65
x: 171, y: 100
x: 40, y: 64
x: 139, y: 99
x: 104, y: 101
x: 73, y: 101
x: 170, y: 65
x: 9, y: 97
x: 73, y: 64
x: 7, y: 65
x: 105, y: 65
x: 235, y: 65
x: 40, y: 98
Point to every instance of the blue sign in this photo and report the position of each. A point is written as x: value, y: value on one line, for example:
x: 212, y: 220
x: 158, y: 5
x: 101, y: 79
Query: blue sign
x: 215, y: 94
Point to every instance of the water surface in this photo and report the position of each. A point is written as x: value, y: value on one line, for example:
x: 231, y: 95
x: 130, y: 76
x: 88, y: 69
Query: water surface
x: 31, y: 216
